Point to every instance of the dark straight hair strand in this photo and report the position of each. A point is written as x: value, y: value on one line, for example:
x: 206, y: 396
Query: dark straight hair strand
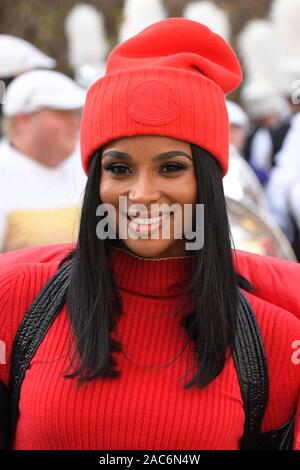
x: 94, y: 303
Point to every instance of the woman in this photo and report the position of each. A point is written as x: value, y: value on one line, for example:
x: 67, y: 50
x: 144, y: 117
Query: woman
x: 140, y: 357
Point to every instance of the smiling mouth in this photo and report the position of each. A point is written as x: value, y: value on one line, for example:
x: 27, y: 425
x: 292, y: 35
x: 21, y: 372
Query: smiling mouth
x: 145, y: 220
x: 146, y: 224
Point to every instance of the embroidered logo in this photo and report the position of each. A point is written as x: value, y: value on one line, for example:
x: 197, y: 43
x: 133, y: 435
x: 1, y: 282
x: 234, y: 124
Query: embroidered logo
x: 153, y: 103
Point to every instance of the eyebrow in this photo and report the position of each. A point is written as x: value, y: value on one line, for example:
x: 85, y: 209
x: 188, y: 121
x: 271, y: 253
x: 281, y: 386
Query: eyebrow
x: 162, y: 156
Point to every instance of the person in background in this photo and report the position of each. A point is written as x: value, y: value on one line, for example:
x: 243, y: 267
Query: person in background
x: 241, y: 182
x: 294, y: 206
x: 259, y: 149
x: 260, y: 94
x: 239, y: 123
x: 285, y: 174
x: 40, y: 180
x: 18, y: 56
x: 284, y: 177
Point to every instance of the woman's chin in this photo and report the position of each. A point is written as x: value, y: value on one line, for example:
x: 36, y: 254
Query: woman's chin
x: 150, y: 248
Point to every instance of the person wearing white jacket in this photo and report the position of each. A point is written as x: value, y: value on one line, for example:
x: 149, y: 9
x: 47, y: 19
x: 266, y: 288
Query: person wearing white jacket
x: 294, y: 203
x: 284, y: 177
x: 41, y: 181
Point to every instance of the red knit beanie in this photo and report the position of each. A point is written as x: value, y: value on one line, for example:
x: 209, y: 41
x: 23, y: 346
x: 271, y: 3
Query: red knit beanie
x: 168, y: 80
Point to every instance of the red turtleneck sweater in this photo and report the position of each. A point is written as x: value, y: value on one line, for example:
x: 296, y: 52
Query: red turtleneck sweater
x: 147, y: 407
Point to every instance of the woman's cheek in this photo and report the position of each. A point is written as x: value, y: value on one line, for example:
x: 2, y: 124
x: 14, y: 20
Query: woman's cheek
x: 106, y: 190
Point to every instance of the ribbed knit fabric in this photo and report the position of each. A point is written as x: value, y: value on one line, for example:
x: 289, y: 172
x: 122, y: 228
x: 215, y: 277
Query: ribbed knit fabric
x: 168, y: 80
x: 166, y: 102
x: 147, y: 407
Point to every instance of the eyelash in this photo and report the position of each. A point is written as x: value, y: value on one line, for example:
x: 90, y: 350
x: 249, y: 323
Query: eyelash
x: 111, y: 167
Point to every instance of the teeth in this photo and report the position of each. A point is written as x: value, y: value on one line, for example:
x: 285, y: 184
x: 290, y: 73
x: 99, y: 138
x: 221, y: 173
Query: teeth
x: 140, y: 221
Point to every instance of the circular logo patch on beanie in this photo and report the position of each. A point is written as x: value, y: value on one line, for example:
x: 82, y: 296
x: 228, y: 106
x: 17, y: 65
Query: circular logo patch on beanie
x: 153, y: 103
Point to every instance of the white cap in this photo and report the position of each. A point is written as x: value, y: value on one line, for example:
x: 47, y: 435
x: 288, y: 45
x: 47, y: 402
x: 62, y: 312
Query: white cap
x: 258, y: 45
x: 138, y: 14
x: 285, y: 16
x: 237, y: 115
x: 261, y: 100
x: 40, y: 89
x: 289, y: 79
x: 210, y: 15
x: 87, y: 43
x: 18, y: 56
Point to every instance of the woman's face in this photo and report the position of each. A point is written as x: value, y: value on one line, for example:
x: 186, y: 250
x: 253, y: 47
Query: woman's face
x: 149, y: 170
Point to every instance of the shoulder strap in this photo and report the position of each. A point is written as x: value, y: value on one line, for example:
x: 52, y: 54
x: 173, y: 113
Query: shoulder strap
x: 278, y: 136
x: 252, y: 370
x: 36, y: 322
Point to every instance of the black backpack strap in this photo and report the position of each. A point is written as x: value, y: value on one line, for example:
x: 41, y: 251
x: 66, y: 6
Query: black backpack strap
x: 36, y: 322
x: 4, y: 413
x: 252, y: 370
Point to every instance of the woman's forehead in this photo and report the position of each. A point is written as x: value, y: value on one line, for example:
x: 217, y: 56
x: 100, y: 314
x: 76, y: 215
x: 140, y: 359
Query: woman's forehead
x: 151, y: 144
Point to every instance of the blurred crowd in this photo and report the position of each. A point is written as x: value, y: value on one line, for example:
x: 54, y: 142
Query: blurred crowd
x: 41, y: 180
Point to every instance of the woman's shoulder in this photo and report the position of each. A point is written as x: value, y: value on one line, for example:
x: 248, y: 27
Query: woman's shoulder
x: 275, y: 280
x: 34, y: 255
x: 22, y: 275
x: 272, y: 318
x: 20, y: 282
x: 280, y: 330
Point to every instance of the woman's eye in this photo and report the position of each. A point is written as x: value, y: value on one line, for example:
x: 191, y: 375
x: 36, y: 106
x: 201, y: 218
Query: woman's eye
x: 171, y: 167
x: 116, y: 169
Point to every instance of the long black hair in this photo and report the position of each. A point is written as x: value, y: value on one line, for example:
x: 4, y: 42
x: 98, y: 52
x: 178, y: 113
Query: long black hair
x: 94, y: 303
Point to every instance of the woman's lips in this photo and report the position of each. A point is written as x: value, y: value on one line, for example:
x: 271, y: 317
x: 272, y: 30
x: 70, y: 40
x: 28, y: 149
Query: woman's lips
x: 150, y: 225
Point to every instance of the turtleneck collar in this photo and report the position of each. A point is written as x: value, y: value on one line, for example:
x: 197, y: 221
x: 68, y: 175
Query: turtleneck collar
x: 155, y: 277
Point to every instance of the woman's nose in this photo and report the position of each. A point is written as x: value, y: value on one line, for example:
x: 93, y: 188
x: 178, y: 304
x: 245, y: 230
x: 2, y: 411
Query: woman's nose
x: 143, y: 191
